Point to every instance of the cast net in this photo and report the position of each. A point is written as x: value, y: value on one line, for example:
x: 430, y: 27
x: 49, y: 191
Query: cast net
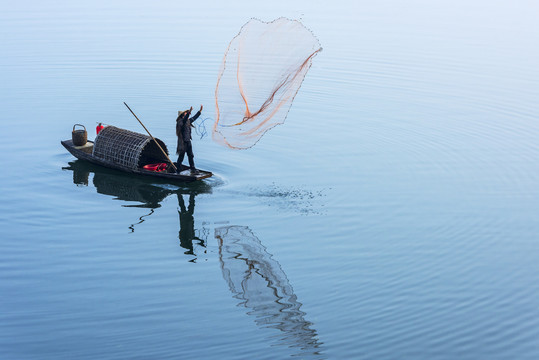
x: 263, y: 69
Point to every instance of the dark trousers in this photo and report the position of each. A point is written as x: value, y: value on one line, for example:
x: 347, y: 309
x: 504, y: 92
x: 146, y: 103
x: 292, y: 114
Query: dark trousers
x: 187, y: 148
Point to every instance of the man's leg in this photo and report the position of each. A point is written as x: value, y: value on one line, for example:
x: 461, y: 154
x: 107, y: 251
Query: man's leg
x: 190, y: 155
x: 180, y: 159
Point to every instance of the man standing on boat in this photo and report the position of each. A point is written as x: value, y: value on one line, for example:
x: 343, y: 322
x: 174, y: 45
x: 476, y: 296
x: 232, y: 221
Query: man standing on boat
x: 183, y: 131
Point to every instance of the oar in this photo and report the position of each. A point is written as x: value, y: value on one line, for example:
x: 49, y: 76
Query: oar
x: 164, y: 152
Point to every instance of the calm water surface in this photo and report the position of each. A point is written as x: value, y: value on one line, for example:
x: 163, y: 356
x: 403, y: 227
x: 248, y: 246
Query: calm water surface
x: 395, y: 215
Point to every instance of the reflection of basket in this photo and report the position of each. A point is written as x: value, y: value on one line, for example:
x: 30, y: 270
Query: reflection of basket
x: 80, y: 177
x: 79, y: 137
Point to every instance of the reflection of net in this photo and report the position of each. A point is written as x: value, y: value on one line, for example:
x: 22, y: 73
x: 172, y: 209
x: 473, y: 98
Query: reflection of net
x: 259, y: 283
x: 262, y: 71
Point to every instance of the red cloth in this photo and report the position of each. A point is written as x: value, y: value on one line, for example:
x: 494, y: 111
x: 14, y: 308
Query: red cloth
x: 156, y: 167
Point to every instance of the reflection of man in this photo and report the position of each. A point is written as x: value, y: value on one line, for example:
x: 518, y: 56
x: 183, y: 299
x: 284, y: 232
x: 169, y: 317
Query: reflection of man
x: 187, y: 224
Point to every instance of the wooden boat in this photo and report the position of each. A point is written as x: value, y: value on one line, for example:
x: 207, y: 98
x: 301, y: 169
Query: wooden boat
x: 129, y: 151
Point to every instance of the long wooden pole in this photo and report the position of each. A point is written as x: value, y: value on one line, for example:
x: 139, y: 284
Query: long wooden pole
x: 164, y: 152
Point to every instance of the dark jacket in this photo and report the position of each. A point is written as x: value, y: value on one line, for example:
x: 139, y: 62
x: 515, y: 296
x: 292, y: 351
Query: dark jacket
x: 183, y: 130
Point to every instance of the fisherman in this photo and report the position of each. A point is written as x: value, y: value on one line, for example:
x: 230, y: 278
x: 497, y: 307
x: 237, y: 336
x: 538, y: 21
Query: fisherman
x: 183, y: 131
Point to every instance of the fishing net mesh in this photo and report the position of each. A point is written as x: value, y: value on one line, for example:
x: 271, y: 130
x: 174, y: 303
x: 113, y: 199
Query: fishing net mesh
x: 262, y: 71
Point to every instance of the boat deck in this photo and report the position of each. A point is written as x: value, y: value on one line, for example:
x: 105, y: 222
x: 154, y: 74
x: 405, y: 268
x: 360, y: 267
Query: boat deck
x: 85, y: 152
x: 87, y: 148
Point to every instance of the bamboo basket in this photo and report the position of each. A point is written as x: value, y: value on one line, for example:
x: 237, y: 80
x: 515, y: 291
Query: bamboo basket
x: 79, y: 137
x: 127, y: 148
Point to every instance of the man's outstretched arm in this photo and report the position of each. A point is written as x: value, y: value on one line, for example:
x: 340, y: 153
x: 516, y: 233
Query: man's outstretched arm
x: 196, y: 115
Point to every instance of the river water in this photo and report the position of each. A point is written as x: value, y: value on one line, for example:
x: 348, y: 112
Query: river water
x: 394, y: 215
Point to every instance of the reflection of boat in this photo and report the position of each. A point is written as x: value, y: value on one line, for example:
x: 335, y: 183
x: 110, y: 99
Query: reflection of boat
x: 146, y: 192
x: 260, y: 284
x: 148, y: 195
x: 129, y: 151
